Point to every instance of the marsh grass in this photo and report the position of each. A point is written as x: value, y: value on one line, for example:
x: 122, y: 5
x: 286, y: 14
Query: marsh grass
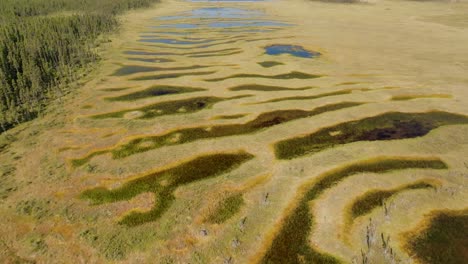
x: 214, y: 55
x: 309, y: 97
x: 119, y: 242
x: 285, y: 76
x: 419, y: 96
x: 265, y: 88
x: 132, y: 69
x: 36, y: 208
x: 141, y: 53
x: 157, y: 90
x: 219, y: 51
x: 82, y: 161
x: 291, y: 245
x: 182, y: 136
x: 152, y: 60
x: 367, y: 202
x: 195, y: 47
x: 6, y: 140
x: 171, y: 75
x: 443, y: 240
x: 189, y: 54
x: 388, y: 126
x: 226, y: 208
x: 163, y: 184
x: 183, y: 106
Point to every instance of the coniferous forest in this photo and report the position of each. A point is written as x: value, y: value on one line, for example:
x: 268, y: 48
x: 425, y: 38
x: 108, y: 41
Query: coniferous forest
x: 43, y: 46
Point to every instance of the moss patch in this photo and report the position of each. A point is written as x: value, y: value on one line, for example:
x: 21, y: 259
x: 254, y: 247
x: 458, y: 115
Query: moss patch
x: 163, y: 184
x: 367, y: 202
x: 229, y: 116
x: 132, y: 69
x: 291, y: 245
x: 171, y: 75
x: 82, y: 161
x: 388, y: 126
x: 190, y: 105
x: 269, y: 64
x: 182, y: 136
x: 157, y: 90
x: 226, y: 209
x: 443, y: 241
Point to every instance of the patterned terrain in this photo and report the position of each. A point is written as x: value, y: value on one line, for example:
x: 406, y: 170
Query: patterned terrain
x: 201, y: 145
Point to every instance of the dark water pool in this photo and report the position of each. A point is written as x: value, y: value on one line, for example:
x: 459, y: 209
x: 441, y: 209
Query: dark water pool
x: 294, y: 50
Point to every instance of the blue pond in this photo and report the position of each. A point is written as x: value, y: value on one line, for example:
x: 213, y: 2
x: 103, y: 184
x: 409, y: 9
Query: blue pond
x: 294, y: 50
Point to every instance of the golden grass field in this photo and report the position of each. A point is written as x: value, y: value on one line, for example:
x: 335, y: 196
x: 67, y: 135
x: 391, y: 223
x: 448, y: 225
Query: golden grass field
x: 195, y: 146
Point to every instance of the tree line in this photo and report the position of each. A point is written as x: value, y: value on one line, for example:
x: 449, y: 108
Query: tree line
x: 43, y: 46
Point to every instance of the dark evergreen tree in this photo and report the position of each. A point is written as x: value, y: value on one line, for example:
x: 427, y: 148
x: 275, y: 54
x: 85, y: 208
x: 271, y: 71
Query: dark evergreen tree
x: 43, y: 43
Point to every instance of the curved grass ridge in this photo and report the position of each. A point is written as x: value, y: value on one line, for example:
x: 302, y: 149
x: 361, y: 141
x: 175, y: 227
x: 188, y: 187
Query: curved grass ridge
x: 182, y: 136
x: 372, y: 199
x: 132, y: 69
x: 212, y: 52
x: 171, y: 76
x: 441, y: 238
x: 419, y: 96
x: 308, y: 97
x: 284, y: 76
x: 226, y: 208
x: 291, y: 244
x: 214, y: 55
x: 388, y: 126
x: 164, y: 182
x: 115, y: 89
x: 159, y: 45
x: 184, y: 106
x: 157, y: 90
x: 152, y: 60
x: 265, y: 88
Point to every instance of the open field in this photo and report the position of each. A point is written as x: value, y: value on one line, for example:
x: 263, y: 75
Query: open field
x: 283, y: 131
